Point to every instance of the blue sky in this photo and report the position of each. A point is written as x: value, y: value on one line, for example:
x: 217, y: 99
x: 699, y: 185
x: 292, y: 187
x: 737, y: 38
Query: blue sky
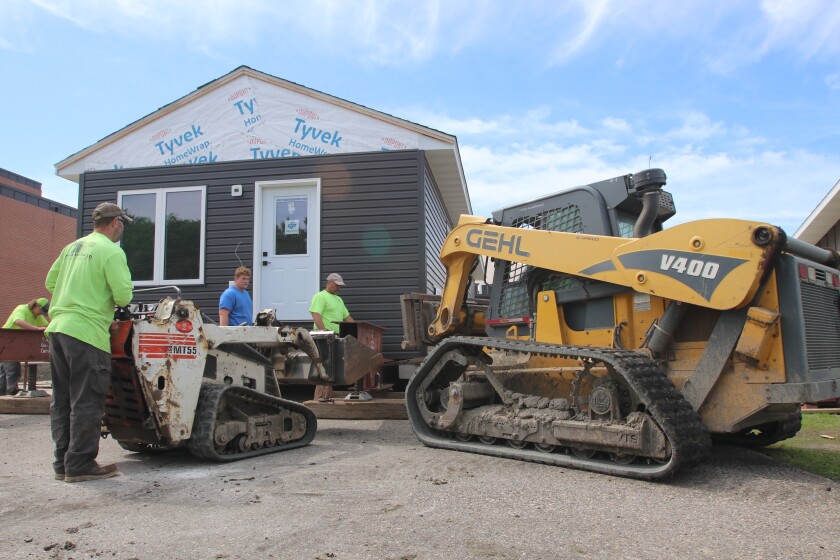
x: 738, y: 101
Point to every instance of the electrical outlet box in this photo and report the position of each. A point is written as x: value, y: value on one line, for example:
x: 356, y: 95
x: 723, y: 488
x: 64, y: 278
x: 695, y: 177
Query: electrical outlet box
x: 236, y: 190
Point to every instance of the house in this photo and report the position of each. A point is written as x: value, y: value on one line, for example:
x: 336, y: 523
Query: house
x: 822, y: 226
x: 291, y: 182
x: 34, y: 230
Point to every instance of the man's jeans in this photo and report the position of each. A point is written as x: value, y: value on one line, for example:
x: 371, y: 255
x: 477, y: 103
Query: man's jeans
x: 9, y: 377
x: 81, y: 375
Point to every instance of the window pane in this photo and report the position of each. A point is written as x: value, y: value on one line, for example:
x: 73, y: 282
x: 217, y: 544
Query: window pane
x: 138, y: 239
x: 182, y: 252
x: 625, y: 225
x: 291, y: 219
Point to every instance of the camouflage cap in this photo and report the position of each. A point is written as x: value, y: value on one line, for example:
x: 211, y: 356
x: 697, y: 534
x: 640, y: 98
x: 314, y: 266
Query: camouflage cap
x: 110, y: 210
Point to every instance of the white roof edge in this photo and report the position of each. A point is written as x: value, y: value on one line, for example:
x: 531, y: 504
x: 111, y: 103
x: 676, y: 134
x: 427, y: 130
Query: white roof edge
x: 812, y: 230
x: 463, y: 179
x: 251, y: 73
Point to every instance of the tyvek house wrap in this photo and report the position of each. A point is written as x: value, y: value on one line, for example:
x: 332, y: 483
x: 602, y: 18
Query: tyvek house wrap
x: 249, y: 119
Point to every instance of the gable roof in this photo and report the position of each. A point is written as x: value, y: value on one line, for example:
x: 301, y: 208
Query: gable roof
x: 441, y: 149
x: 824, y: 217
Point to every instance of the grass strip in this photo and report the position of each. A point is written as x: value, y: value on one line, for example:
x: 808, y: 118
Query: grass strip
x: 809, y: 450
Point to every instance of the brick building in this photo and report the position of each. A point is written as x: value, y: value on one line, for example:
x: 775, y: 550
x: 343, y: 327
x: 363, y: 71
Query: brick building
x: 33, y: 230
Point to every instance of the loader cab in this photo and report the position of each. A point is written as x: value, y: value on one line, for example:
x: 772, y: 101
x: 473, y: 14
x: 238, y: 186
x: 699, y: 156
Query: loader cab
x: 611, y: 207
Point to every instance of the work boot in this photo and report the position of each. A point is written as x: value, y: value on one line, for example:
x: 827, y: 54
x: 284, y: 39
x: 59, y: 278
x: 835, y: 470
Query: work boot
x: 94, y: 473
x: 59, y: 475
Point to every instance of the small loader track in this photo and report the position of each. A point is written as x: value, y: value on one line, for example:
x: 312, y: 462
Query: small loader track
x: 765, y: 434
x: 214, y: 397
x: 688, y: 439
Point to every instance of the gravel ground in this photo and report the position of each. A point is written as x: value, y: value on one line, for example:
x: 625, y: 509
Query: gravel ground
x: 369, y: 489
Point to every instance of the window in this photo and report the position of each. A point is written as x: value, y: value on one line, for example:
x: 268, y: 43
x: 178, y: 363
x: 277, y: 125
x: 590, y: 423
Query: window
x: 291, y: 220
x: 165, y: 244
x: 626, y: 224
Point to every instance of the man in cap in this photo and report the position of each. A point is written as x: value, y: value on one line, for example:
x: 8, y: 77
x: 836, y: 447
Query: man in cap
x: 87, y: 280
x: 328, y: 309
x: 30, y: 316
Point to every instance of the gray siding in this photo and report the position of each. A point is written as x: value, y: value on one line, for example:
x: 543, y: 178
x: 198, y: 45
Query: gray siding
x: 437, y: 226
x: 371, y: 231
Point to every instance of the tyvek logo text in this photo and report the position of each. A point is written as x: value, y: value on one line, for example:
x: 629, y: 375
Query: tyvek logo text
x: 314, y: 133
x: 177, y: 148
x: 297, y: 147
x: 246, y: 108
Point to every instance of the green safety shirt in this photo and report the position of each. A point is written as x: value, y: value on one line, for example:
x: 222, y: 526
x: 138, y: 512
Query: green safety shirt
x: 87, y: 280
x: 330, y: 307
x: 22, y: 312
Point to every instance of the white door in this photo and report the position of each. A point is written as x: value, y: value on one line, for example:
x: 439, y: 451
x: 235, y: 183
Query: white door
x: 287, y: 251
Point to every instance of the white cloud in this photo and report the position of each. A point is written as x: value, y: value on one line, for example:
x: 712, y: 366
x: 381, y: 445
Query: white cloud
x: 451, y: 125
x: 534, y: 124
x: 377, y: 32
x: 807, y: 26
x: 539, y: 127
x: 714, y: 169
x: 397, y: 32
x: 612, y: 123
x: 15, y: 21
x: 594, y: 13
x: 695, y: 127
x: 768, y: 187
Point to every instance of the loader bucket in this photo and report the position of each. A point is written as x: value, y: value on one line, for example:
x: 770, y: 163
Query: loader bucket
x: 323, y: 357
x: 419, y: 310
x: 359, y: 360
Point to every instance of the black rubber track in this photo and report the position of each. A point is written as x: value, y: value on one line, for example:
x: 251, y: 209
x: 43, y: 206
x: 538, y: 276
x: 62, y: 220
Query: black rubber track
x: 201, y: 442
x: 689, y: 439
x: 765, y: 434
x: 147, y: 448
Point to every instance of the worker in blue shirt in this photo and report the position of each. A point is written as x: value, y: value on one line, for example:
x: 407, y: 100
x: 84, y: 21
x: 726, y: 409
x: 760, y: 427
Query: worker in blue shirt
x: 235, y: 306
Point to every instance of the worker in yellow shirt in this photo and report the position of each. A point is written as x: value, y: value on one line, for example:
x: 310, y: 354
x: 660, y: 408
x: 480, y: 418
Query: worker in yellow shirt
x: 88, y: 279
x: 328, y: 309
x: 30, y: 316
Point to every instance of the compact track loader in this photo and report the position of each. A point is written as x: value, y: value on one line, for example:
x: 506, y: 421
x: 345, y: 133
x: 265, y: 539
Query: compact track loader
x: 611, y: 345
x: 178, y: 381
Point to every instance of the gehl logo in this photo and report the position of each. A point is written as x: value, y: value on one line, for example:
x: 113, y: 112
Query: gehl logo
x: 498, y: 242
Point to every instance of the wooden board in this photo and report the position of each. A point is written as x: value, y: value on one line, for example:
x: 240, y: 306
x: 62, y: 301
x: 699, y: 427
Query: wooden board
x: 376, y: 409
x: 376, y: 394
x: 24, y: 405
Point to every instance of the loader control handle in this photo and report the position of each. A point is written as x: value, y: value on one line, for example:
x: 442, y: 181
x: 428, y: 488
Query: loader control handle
x: 122, y: 313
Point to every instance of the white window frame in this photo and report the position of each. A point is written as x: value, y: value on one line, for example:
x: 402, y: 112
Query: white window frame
x: 160, y: 220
